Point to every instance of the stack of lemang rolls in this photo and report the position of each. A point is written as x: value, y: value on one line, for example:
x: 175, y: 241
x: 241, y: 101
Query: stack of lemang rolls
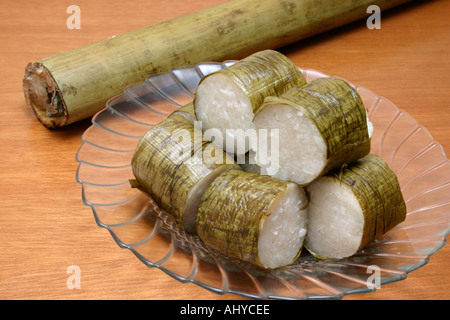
x: 226, y: 100
x: 255, y: 218
x: 320, y: 126
x: 258, y: 219
x: 329, y: 193
x: 173, y: 165
x: 351, y: 207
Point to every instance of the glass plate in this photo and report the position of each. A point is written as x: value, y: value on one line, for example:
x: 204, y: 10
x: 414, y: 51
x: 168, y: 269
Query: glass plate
x: 137, y: 224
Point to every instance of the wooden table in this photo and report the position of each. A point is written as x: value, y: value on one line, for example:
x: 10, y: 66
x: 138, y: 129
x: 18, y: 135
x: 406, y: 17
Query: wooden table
x: 44, y: 226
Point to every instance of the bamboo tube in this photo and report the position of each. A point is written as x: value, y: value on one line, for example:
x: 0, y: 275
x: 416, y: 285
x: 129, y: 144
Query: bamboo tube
x: 74, y: 85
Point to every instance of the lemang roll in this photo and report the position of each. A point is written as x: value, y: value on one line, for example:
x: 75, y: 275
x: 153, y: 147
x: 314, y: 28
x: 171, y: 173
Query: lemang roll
x: 226, y: 100
x: 254, y: 218
x: 173, y: 165
x: 321, y: 126
x: 351, y: 207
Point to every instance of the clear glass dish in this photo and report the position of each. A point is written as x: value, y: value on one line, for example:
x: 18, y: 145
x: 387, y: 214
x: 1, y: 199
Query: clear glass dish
x: 137, y: 224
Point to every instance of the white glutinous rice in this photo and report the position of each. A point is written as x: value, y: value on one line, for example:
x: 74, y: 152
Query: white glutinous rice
x: 283, y: 231
x: 225, y: 113
x: 301, y: 151
x: 336, y: 220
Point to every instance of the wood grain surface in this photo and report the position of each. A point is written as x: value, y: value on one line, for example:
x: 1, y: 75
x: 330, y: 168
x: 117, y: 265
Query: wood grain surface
x: 44, y: 226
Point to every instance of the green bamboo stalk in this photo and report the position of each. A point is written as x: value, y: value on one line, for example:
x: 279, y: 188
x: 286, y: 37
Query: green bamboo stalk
x: 74, y: 85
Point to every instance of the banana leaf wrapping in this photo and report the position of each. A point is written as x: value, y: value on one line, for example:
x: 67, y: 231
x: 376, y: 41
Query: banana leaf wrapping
x: 173, y: 165
x: 232, y: 211
x: 378, y: 192
x: 377, y: 189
